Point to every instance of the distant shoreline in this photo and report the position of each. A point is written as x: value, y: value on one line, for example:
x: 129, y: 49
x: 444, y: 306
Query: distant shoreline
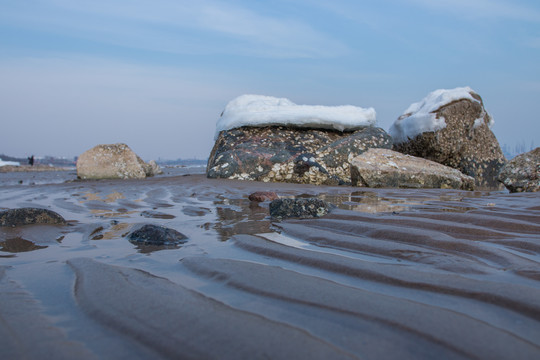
x: 35, y: 168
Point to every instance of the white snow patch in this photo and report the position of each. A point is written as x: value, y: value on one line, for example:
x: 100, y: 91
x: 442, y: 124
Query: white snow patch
x: 420, y: 117
x: 259, y: 110
x: 6, y: 163
x: 478, y: 122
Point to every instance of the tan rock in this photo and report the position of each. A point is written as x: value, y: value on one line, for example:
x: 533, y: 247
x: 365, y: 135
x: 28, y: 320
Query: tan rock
x: 465, y: 143
x: 112, y: 161
x: 387, y: 168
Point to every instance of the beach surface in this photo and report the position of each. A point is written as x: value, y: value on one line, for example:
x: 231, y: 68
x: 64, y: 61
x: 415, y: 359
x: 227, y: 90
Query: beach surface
x: 389, y: 273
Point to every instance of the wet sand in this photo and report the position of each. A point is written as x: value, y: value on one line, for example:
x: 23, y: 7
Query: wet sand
x: 390, y: 273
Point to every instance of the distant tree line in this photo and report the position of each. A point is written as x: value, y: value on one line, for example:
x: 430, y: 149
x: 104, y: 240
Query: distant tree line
x: 518, y: 148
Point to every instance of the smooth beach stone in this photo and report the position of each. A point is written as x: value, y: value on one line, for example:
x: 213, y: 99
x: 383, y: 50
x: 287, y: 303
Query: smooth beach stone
x: 386, y: 168
x: 156, y: 235
x: 260, y: 196
x: 522, y: 173
x: 28, y: 216
x: 299, y: 208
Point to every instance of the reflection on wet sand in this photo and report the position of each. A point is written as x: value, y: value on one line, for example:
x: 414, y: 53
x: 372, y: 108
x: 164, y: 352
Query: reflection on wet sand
x: 16, y: 245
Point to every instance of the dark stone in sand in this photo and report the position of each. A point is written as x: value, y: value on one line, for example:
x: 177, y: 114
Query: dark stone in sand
x: 260, y: 196
x: 522, y: 173
x: 299, y: 208
x: 28, y: 216
x: 466, y: 143
x: 156, y: 235
x: 287, y: 154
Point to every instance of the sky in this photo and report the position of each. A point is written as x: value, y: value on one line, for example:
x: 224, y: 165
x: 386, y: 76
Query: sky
x: 157, y: 74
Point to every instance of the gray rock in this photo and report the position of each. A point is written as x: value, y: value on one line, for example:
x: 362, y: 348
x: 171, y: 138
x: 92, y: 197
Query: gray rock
x: 156, y: 235
x: 522, y: 173
x: 299, y: 208
x: 152, y: 168
x: 387, y: 168
x: 466, y: 143
x: 296, y: 155
x: 114, y: 161
x: 29, y: 216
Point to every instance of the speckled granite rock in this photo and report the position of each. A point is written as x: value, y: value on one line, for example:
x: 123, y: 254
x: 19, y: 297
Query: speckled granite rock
x: 114, y: 161
x: 522, y: 173
x: 285, y: 154
x: 466, y: 143
x: 387, y: 168
x: 29, y: 216
x: 299, y: 208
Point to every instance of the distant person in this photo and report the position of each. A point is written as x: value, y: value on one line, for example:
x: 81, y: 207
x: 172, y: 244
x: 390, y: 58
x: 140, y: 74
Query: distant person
x: 31, y: 160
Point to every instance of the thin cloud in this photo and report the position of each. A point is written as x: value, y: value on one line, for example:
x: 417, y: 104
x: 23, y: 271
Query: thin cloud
x: 477, y: 9
x: 202, y: 27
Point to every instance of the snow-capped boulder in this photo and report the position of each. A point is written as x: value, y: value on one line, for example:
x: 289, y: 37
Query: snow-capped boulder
x: 113, y: 161
x: 452, y: 127
x: 262, y: 111
x: 387, y: 168
x: 284, y: 142
x: 522, y: 173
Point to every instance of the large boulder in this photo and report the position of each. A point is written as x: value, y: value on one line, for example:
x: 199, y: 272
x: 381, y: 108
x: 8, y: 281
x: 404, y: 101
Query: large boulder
x: 264, y: 138
x: 522, y: 173
x: 452, y: 127
x: 286, y: 154
x: 387, y: 168
x: 113, y: 161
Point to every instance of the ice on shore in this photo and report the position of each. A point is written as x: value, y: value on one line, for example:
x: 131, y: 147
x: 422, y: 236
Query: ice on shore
x: 421, y: 116
x: 259, y: 110
x: 6, y: 163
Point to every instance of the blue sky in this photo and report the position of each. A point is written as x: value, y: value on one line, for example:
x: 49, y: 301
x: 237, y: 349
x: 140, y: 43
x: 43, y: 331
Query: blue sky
x: 157, y: 74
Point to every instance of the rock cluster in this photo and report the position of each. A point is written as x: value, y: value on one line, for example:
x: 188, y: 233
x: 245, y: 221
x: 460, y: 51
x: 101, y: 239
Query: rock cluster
x: 465, y: 142
x: 449, y: 127
x: 287, y: 154
x: 387, y: 168
x: 522, y: 173
x: 299, y: 208
x: 30, y: 216
x: 114, y: 161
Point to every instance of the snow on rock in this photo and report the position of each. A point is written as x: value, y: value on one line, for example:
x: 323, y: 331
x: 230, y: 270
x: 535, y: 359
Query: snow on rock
x: 421, y: 116
x: 259, y: 110
x: 6, y: 163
